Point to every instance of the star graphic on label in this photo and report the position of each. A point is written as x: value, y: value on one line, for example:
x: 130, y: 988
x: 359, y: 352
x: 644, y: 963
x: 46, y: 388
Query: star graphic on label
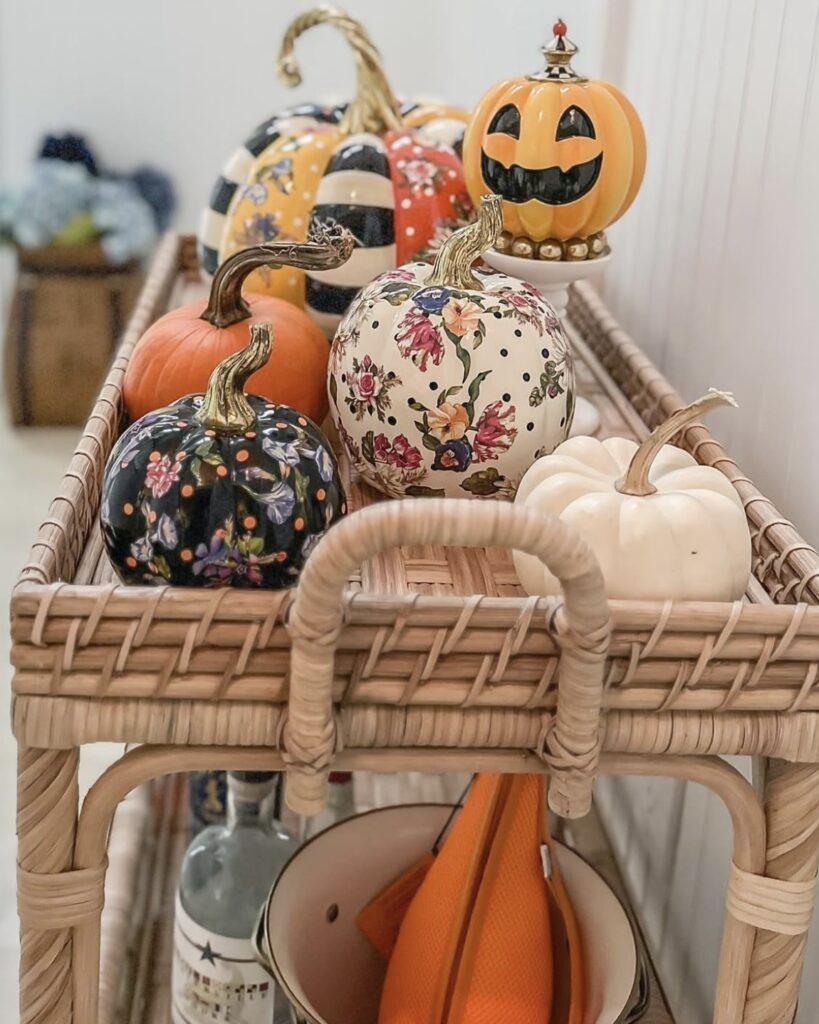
x: 208, y: 953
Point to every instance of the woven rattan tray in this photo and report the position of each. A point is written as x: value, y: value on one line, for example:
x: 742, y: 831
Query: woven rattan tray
x: 408, y: 644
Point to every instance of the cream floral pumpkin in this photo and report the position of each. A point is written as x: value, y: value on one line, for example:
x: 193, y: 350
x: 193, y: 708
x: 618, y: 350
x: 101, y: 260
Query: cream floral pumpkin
x: 450, y: 383
x: 661, y: 525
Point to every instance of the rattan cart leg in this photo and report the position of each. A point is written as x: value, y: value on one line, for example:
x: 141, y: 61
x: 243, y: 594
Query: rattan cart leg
x: 46, y: 825
x: 792, y: 812
x: 131, y: 770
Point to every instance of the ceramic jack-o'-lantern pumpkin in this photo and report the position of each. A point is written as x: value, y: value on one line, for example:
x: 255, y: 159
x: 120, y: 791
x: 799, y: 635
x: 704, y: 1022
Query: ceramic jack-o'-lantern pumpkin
x: 566, y: 153
x: 388, y: 172
x: 220, y: 489
x: 449, y: 381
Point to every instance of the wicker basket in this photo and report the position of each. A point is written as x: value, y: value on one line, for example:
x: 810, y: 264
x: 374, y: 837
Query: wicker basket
x: 408, y: 644
x: 69, y: 309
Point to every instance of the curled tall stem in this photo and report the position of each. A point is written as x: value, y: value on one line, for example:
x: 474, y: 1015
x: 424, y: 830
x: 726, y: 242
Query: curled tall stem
x: 374, y: 107
x: 325, y: 249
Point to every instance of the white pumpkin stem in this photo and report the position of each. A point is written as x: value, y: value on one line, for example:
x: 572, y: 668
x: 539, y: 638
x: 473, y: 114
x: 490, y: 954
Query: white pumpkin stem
x: 636, y: 480
x: 225, y: 408
x: 374, y: 107
x: 453, y: 264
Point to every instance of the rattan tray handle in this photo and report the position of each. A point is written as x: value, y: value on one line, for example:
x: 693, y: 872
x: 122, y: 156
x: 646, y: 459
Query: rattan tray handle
x: 572, y: 745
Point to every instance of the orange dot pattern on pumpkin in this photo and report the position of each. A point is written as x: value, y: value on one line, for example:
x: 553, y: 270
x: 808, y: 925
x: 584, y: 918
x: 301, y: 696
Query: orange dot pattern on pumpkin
x: 227, y: 511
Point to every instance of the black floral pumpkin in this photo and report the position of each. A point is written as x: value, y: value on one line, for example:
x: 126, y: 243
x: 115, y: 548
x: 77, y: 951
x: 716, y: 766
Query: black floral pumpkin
x: 220, y: 489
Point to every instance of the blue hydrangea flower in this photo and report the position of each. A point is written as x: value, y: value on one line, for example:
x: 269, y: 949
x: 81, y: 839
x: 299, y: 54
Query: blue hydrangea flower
x: 124, y: 219
x: 55, y: 192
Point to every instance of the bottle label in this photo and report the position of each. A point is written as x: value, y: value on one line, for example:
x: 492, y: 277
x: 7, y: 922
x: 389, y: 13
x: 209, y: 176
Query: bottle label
x: 217, y: 980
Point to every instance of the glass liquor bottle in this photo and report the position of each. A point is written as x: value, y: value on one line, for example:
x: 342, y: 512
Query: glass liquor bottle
x: 225, y: 878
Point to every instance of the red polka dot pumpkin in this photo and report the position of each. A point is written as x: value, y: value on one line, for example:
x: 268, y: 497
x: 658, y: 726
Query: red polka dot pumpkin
x: 450, y: 382
x: 220, y: 489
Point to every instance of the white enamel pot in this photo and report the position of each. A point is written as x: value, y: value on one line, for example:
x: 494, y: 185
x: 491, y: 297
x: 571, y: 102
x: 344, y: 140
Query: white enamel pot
x: 309, y: 941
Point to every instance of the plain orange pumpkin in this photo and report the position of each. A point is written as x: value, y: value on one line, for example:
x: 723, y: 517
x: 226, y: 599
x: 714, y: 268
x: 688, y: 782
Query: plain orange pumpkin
x: 177, y: 354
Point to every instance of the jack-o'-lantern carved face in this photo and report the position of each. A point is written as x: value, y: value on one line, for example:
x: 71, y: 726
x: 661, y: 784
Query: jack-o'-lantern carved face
x: 566, y: 154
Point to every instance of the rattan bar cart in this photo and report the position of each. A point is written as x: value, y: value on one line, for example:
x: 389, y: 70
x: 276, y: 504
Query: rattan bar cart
x: 408, y: 645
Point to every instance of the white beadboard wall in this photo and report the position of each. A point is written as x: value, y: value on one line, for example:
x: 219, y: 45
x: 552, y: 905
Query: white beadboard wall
x: 715, y: 274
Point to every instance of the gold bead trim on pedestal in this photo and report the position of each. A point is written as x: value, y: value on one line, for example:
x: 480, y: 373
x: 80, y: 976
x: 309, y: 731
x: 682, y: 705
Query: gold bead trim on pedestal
x: 573, y: 250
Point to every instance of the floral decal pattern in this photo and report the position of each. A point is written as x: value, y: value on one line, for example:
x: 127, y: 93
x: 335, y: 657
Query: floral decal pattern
x: 396, y: 462
x: 368, y: 388
x: 441, y: 391
x: 183, y: 505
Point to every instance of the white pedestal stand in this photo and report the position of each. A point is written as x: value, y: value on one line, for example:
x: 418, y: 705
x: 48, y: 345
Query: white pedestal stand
x: 553, y: 277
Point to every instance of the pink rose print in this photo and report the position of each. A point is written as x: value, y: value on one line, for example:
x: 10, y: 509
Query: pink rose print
x: 161, y: 475
x: 365, y: 384
x: 495, y: 432
x: 527, y: 306
x: 419, y: 340
x: 367, y: 388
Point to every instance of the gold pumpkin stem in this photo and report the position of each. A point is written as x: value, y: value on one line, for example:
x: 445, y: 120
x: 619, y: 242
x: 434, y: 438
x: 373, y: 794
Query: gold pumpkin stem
x: 453, y: 264
x: 374, y: 108
x: 226, y: 408
x: 325, y: 249
x: 636, y: 480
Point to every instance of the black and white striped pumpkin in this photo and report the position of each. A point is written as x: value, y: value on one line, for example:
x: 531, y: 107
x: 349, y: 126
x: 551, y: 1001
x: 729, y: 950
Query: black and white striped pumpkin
x: 391, y: 174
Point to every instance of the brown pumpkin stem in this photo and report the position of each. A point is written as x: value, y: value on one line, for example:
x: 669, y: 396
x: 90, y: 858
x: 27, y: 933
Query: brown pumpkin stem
x: 325, y: 249
x: 374, y: 108
x: 636, y: 480
x: 453, y: 264
x: 225, y: 408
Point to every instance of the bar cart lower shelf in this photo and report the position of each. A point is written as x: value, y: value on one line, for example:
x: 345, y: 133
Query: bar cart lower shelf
x: 408, y: 645
x: 152, y: 825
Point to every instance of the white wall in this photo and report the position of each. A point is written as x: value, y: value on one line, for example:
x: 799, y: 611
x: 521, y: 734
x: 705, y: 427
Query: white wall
x: 182, y: 82
x: 716, y: 277
x: 715, y: 270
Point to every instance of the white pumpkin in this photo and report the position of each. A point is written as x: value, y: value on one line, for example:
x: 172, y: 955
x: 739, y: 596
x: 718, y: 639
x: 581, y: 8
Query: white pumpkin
x: 661, y: 525
x: 447, y: 382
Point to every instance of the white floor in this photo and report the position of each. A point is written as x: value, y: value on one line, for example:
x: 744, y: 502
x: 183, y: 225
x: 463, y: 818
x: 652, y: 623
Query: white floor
x: 33, y: 461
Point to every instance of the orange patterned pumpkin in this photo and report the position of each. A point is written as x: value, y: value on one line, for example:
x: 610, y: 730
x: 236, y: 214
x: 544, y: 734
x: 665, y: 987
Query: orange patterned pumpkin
x: 567, y: 154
